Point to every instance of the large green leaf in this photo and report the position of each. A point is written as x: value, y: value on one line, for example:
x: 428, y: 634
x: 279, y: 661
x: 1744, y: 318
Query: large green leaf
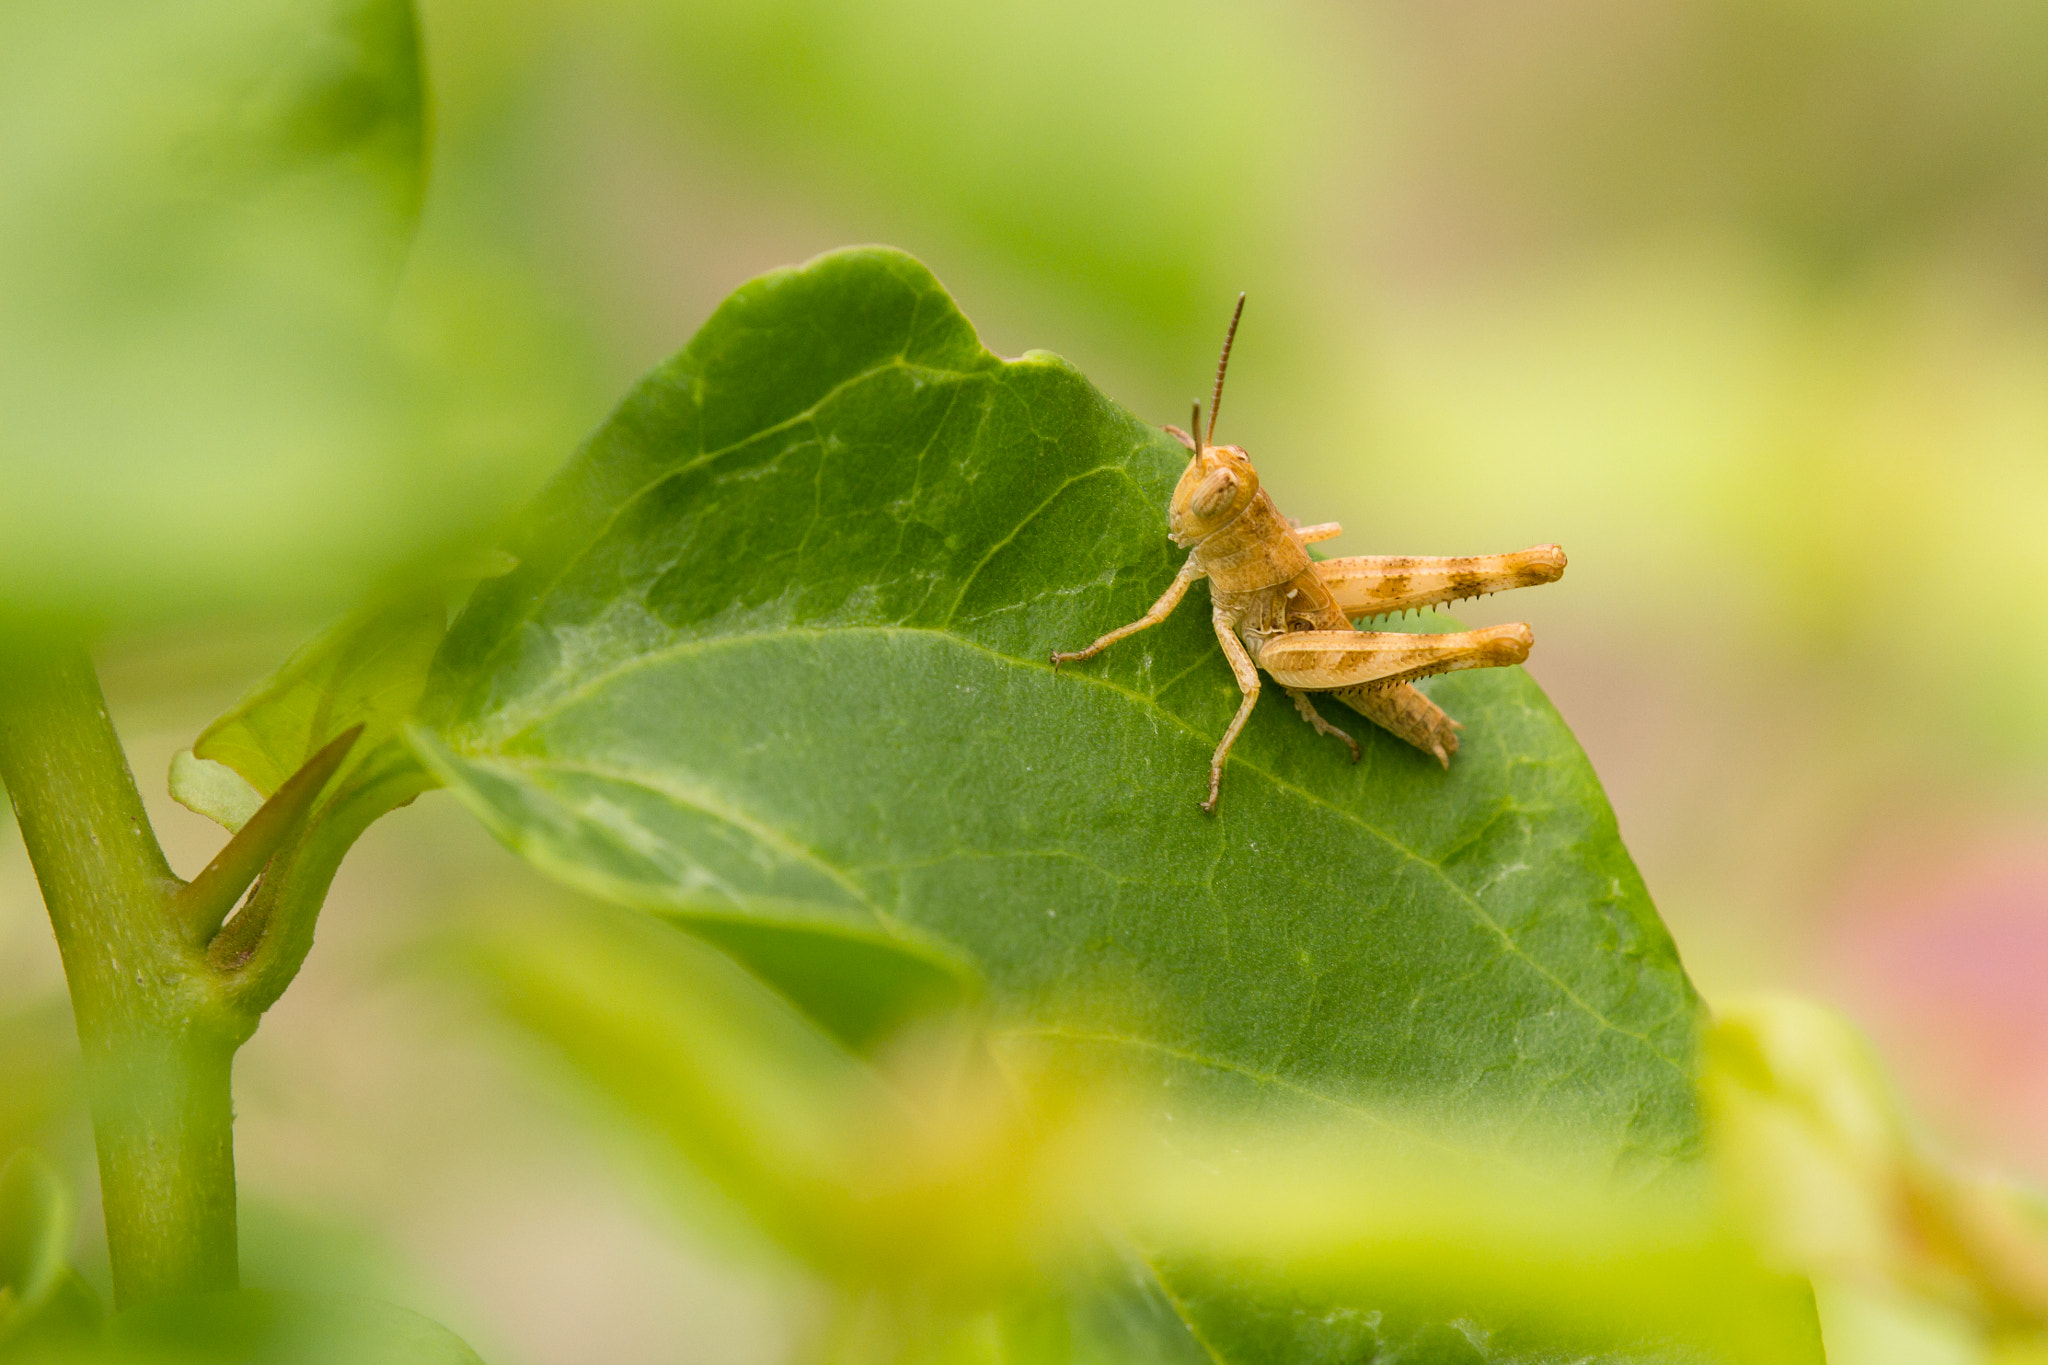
x: 775, y: 657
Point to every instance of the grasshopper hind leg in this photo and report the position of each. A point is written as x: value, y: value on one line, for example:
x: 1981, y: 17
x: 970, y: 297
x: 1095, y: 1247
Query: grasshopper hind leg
x: 1315, y: 718
x: 1404, y: 711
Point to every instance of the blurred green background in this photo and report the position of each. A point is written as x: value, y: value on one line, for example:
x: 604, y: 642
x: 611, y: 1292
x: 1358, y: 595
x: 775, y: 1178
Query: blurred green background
x: 1744, y: 303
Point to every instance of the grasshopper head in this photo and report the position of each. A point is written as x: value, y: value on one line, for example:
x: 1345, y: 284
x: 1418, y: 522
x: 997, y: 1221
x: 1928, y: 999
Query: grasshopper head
x: 1218, y: 483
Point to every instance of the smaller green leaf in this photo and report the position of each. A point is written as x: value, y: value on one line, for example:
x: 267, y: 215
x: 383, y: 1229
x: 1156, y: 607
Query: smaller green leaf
x: 214, y: 790
x: 368, y: 669
x: 362, y: 677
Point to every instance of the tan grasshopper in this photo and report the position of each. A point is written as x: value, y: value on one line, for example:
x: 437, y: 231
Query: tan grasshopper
x: 1275, y: 608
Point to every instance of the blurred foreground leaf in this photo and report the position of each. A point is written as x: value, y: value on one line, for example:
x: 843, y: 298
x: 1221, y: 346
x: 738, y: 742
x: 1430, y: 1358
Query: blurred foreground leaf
x: 224, y: 385
x: 208, y: 205
x: 774, y: 657
x: 1071, y: 161
x: 1473, y: 1261
x: 269, y: 1327
x: 39, y: 1070
x: 756, y: 1099
x: 42, y: 1299
x: 1915, y: 1258
x: 932, y: 1206
x: 957, y: 1225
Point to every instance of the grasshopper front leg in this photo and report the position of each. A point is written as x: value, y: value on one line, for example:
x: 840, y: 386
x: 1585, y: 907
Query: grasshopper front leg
x: 1163, y: 608
x: 1248, y: 683
x: 1322, y: 530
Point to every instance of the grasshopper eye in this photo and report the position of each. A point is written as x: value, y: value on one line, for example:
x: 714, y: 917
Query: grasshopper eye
x: 1215, y: 495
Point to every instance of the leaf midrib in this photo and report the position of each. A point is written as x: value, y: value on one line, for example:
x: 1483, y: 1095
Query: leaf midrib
x: 898, y: 929
x: 769, y: 835
x: 1477, y: 910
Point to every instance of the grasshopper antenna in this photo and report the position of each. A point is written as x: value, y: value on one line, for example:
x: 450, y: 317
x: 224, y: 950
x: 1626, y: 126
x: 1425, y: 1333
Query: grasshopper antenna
x: 1222, y: 364
x: 1195, y: 428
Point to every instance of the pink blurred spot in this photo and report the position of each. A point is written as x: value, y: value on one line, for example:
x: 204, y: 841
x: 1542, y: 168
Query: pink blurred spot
x: 1939, y: 946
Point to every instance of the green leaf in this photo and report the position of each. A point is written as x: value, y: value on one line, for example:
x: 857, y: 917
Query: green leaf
x: 42, y: 1299
x: 757, y: 1099
x: 274, y: 1327
x: 213, y: 790
x: 209, y: 205
x: 901, y: 1188
x: 39, y: 1069
x: 368, y: 669
x: 776, y: 654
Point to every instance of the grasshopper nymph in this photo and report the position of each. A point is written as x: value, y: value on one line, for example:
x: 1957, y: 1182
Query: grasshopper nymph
x: 1275, y: 608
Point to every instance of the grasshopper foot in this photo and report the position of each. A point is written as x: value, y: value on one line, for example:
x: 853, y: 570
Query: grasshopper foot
x: 1309, y: 713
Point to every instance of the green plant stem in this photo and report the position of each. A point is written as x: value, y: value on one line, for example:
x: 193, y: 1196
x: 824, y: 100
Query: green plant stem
x: 157, y: 1031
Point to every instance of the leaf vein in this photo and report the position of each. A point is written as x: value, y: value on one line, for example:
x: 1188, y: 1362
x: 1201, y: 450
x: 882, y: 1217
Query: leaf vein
x: 1064, y: 1034
x: 539, y: 596
x: 1058, y: 491
x: 764, y: 833
x: 1464, y: 894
